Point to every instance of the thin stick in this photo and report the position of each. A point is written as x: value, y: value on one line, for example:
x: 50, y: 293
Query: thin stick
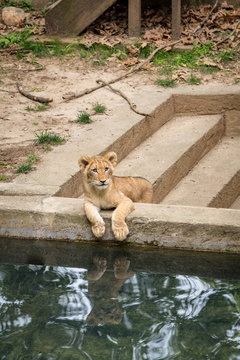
x: 40, y: 99
x: 68, y: 97
x: 9, y: 91
x: 119, y: 92
x: 39, y: 68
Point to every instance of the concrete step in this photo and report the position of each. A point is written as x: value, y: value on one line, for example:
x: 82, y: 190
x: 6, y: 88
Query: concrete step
x: 214, y: 181
x: 168, y: 155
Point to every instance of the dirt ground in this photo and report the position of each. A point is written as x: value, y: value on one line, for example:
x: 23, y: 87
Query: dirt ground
x: 19, y: 123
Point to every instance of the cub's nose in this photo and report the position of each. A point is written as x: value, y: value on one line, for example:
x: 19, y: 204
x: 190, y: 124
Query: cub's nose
x: 102, y: 181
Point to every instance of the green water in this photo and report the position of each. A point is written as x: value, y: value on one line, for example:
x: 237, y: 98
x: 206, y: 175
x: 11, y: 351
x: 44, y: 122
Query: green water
x: 59, y: 313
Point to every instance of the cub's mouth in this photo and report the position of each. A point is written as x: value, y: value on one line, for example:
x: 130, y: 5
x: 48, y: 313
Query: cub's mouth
x: 103, y: 186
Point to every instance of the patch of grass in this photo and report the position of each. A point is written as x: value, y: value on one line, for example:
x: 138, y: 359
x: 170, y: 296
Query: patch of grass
x: 3, y: 177
x: 208, y: 69
x: 32, y: 158
x: 40, y: 107
x: 36, y: 90
x: 47, y: 148
x: 121, y: 54
x: 227, y: 55
x: 6, y: 165
x: 83, y: 118
x: 175, y: 59
x: 98, y: 62
x: 46, y: 137
x: 24, y: 4
x: 144, y: 51
x: 166, y: 70
x: 193, y: 80
x: 15, y: 38
x: 24, y: 169
x: 99, y: 108
x: 103, y: 52
x: 44, y: 9
x: 166, y: 82
x: 193, y: 59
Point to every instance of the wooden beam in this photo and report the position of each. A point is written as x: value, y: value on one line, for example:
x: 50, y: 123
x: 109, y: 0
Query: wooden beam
x: 134, y: 17
x: 176, y: 19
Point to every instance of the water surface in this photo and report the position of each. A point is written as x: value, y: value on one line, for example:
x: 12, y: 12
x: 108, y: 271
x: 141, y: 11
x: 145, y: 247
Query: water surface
x: 110, y: 311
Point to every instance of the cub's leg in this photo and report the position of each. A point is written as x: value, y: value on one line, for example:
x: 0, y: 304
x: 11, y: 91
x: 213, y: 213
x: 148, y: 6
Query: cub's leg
x: 92, y: 213
x: 119, y: 225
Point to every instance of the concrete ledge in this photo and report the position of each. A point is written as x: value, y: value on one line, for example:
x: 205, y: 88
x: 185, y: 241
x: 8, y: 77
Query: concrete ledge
x: 172, y: 227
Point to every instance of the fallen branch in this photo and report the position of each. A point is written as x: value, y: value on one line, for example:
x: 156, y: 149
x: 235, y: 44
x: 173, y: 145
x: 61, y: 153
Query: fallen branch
x: 71, y: 96
x: 119, y: 92
x: 40, y: 99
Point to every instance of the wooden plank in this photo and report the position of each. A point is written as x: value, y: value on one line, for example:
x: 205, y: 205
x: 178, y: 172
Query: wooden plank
x: 71, y: 17
x: 134, y: 17
x: 176, y: 19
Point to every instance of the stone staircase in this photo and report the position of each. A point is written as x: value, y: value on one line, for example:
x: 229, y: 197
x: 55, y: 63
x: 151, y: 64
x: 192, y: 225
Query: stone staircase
x: 191, y: 162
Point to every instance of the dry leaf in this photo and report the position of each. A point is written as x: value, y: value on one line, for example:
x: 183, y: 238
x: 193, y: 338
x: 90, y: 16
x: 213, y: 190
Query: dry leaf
x: 144, y: 44
x: 130, y: 62
x: 134, y: 51
x: 209, y: 62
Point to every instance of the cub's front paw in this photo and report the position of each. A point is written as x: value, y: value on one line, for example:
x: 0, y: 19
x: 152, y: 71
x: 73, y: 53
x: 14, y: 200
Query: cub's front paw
x: 100, y: 262
x: 98, y: 269
x: 121, y: 266
x: 120, y: 231
x: 98, y: 229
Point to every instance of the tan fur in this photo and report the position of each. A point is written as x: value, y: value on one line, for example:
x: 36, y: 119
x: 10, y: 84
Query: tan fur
x: 103, y: 190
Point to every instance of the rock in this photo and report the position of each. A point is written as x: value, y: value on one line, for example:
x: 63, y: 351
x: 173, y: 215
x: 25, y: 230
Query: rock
x: 13, y: 16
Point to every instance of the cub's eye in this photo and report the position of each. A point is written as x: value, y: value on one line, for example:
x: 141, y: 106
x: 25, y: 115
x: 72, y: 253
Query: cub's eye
x: 94, y: 170
x: 106, y: 169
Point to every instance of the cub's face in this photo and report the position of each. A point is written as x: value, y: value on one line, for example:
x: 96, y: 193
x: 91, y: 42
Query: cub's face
x: 99, y: 173
x: 98, y: 170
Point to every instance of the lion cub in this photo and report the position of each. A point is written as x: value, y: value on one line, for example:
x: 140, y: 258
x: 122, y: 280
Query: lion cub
x: 102, y: 190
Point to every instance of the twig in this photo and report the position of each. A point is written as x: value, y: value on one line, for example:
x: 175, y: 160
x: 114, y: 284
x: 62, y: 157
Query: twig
x: 71, y: 96
x: 40, y: 99
x: 39, y: 68
x: 119, y: 92
x: 227, y: 37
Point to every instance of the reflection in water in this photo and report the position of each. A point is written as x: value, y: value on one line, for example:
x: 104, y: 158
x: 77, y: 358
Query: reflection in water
x: 110, y: 312
x: 103, y: 290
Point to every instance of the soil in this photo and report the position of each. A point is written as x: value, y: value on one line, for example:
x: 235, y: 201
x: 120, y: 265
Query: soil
x: 19, y: 124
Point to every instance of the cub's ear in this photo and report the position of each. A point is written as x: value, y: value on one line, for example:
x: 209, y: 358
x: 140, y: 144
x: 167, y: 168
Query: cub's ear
x: 83, y: 162
x: 112, y: 157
